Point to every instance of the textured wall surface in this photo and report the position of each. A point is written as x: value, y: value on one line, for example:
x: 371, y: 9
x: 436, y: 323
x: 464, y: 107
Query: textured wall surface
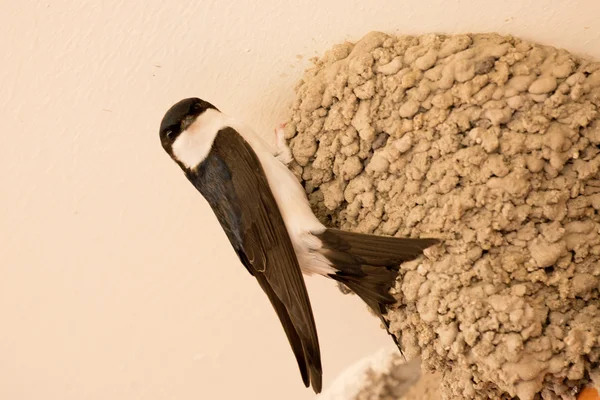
x: 116, y: 280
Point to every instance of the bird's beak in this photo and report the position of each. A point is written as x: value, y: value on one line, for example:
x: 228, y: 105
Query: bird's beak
x: 186, y: 122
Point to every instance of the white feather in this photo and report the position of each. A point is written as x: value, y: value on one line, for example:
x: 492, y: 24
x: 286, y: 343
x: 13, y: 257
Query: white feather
x: 193, y: 145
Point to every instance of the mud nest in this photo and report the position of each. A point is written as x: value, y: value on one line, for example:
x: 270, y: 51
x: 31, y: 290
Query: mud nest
x: 491, y: 144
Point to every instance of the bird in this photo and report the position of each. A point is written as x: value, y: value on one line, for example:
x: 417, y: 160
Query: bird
x: 264, y: 211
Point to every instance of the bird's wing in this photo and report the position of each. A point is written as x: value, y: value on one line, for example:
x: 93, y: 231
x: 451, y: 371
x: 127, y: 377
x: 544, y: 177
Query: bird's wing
x: 253, y: 223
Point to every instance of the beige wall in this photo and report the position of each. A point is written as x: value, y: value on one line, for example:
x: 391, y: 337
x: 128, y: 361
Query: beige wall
x: 115, y: 279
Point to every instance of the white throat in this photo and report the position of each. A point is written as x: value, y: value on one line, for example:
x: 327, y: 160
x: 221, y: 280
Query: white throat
x: 193, y: 145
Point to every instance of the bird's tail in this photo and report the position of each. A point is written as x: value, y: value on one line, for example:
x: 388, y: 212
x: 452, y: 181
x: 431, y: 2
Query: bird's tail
x: 368, y: 264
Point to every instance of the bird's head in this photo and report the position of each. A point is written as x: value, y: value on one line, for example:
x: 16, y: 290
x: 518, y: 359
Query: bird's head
x: 188, y: 129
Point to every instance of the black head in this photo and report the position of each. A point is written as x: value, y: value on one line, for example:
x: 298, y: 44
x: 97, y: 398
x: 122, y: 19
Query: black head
x: 181, y: 115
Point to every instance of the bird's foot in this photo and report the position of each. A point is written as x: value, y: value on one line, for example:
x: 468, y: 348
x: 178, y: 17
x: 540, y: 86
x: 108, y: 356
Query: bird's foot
x: 284, y: 154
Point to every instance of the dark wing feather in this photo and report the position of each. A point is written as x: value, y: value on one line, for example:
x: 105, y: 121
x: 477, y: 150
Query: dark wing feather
x: 374, y: 249
x: 248, y: 212
x: 288, y: 327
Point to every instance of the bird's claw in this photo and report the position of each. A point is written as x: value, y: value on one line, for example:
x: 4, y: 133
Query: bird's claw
x: 284, y: 154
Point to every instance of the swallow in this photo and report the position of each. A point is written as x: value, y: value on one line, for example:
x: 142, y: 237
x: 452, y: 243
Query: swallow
x: 265, y: 213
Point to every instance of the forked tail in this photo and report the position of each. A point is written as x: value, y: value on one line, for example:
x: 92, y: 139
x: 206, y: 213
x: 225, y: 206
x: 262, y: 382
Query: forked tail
x: 368, y: 264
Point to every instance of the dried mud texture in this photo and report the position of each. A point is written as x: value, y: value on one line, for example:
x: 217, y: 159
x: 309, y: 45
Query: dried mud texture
x: 492, y: 144
x: 399, y: 381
